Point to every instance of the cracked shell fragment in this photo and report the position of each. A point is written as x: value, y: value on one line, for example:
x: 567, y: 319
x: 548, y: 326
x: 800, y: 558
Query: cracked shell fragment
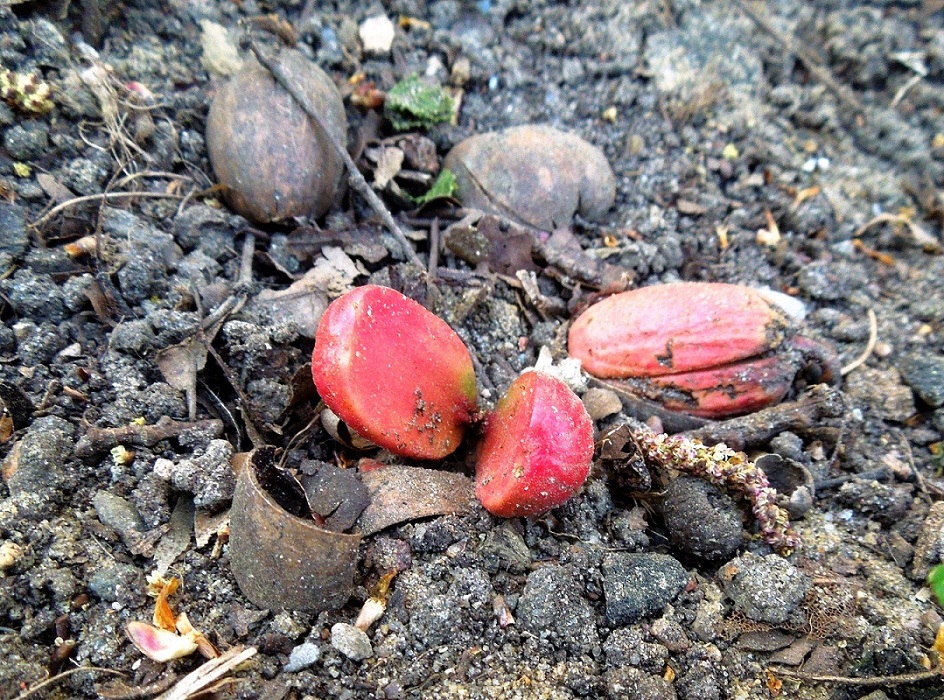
x: 394, y: 372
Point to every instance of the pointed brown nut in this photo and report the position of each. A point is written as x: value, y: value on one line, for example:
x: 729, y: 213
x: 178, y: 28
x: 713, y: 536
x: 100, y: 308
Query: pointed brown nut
x: 537, y: 449
x: 394, y: 372
x: 272, y: 158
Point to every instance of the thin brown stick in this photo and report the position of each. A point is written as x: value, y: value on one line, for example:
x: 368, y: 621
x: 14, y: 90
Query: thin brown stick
x: 869, y: 347
x: 356, y: 179
x: 98, y: 440
x: 900, y: 679
x: 29, y: 692
x: 98, y: 197
x: 118, y: 184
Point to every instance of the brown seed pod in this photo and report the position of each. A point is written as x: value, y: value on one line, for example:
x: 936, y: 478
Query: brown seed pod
x: 270, y: 155
x: 281, y: 560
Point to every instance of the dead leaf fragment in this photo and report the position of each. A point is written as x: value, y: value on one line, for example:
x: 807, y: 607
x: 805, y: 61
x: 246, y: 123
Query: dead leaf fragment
x: 389, y: 163
x: 399, y: 494
x: 180, y: 364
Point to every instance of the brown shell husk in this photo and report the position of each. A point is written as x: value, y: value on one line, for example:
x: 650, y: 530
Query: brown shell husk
x: 269, y: 154
x: 281, y: 561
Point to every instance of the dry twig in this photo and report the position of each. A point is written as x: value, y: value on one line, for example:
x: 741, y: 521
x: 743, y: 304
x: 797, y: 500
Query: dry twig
x: 900, y: 679
x: 30, y: 692
x: 869, y: 347
x: 98, y: 440
x: 100, y: 197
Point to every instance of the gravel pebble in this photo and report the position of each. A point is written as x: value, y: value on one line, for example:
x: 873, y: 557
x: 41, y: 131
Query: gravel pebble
x: 766, y: 589
x: 630, y: 682
x: 636, y: 585
x: 925, y: 375
x: 351, y: 642
x: 38, y: 462
x: 302, y: 656
x: 209, y: 476
x: 120, y: 515
x: 548, y: 591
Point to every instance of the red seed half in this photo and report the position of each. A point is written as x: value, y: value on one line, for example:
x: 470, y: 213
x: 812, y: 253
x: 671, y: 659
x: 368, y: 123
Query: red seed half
x: 537, y: 449
x: 394, y: 372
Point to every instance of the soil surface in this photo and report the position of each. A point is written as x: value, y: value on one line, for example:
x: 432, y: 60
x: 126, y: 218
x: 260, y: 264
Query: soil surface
x: 787, y: 145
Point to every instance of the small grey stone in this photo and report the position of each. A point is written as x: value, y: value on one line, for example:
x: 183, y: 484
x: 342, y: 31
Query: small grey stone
x: 885, y: 503
x: 37, y: 344
x: 629, y: 682
x: 85, y: 176
x: 636, y: 585
x: 209, y: 476
x: 48, y: 44
x: 350, y: 641
x: 35, y: 296
x: 766, y: 589
x: 625, y: 647
x: 670, y: 634
x: 14, y: 240
x: 121, y: 583
x: 27, y: 140
x: 120, y: 515
x: 42, y: 451
x: 301, y: 657
x: 433, y: 616
x: 788, y: 445
x: 882, y: 391
x: 292, y: 624
x: 701, y: 519
x: 831, y: 281
x: 133, y: 337
x: 75, y: 291
x: 548, y: 591
x: 925, y: 375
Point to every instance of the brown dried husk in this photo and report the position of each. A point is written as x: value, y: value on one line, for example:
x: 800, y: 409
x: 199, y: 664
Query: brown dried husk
x: 281, y: 561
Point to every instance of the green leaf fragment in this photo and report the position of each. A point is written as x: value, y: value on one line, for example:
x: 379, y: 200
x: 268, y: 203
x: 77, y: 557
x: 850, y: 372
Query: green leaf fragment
x: 936, y: 581
x: 445, y: 186
x: 415, y: 104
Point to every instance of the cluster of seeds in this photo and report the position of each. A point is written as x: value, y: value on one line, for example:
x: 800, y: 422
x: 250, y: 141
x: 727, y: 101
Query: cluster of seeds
x: 25, y: 92
x: 726, y: 468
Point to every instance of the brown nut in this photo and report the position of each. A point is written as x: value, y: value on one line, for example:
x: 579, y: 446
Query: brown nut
x: 535, y: 175
x: 281, y: 560
x: 269, y: 154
